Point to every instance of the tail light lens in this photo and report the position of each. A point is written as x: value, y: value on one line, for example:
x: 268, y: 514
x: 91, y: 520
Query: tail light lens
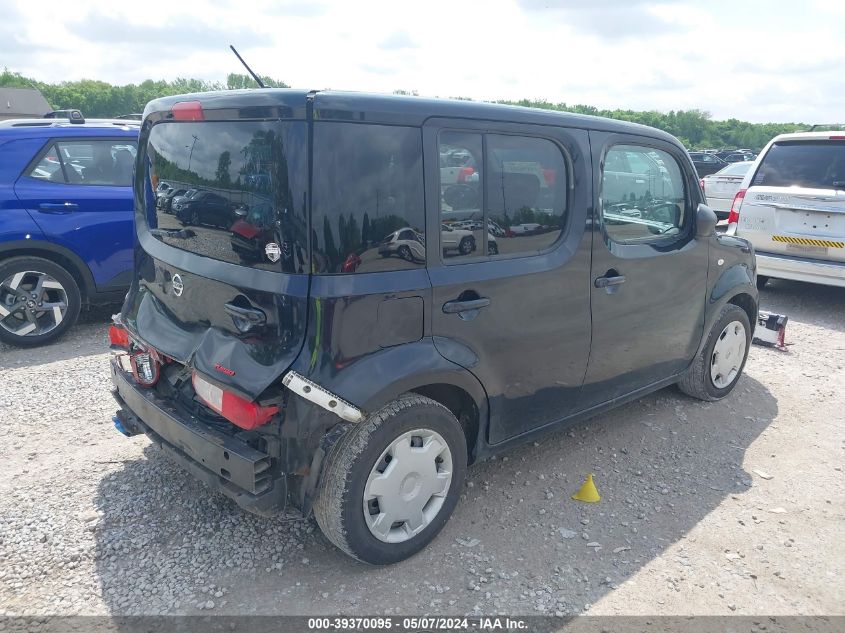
x: 145, y: 368
x: 701, y: 183
x: 118, y: 338
x: 733, y: 216
x: 239, y: 411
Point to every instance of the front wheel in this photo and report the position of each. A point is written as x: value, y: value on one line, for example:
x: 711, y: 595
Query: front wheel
x: 39, y: 301
x: 716, y: 370
x: 391, y: 483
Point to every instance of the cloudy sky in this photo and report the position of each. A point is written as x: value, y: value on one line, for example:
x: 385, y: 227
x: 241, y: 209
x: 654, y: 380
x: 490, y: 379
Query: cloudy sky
x: 755, y: 60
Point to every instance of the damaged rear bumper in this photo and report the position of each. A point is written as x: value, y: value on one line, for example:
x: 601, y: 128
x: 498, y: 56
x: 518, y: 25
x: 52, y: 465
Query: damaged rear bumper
x: 224, y: 463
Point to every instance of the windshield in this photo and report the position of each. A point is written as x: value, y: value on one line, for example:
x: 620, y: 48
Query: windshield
x: 811, y: 164
x: 244, y: 191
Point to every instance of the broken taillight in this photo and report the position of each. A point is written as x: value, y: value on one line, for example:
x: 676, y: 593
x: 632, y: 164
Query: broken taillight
x: 239, y: 411
x: 145, y: 368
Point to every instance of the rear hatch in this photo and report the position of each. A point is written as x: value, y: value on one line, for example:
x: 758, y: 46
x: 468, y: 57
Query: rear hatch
x: 211, y: 291
x: 795, y: 201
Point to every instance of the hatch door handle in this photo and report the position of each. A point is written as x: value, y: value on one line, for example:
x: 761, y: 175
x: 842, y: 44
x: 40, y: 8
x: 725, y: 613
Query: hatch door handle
x: 456, y: 307
x: 252, y: 316
x: 58, y: 207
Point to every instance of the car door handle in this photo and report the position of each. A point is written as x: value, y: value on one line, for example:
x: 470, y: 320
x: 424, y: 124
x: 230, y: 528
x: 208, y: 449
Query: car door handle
x: 58, y: 207
x: 606, y: 282
x: 456, y: 307
x: 245, y: 318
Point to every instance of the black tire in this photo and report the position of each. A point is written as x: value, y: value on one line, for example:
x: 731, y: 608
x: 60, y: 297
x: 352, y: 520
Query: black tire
x: 466, y: 246
x: 195, y: 218
x: 15, y: 265
x: 405, y: 253
x: 492, y: 248
x: 698, y: 382
x: 762, y: 280
x: 339, y: 504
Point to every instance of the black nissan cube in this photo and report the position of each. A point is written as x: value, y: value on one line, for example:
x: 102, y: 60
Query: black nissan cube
x: 277, y: 350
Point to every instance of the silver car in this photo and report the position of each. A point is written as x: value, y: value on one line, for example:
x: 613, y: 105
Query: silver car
x: 791, y: 206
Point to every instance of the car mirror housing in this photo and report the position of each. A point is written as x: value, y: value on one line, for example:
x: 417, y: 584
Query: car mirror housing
x: 705, y: 221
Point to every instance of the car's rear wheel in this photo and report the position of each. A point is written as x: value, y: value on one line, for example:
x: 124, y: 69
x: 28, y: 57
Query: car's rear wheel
x: 716, y: 370
x: 39, y: 301
x: 405, y: 253
x: 391, y: 483
x: 466, y: 246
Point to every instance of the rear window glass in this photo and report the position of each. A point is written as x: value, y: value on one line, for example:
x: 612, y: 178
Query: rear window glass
x: 735, y: 169
x: 815, y: 165
x: 235, y: 191
x: 368, y: 213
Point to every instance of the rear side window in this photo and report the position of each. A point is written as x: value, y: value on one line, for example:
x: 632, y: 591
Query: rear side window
x: 239, y: 191
x: 643, y: 195
x: 518, y: 191
x: 368, y: 211
x: 88, y: 162
x: 815, y: 165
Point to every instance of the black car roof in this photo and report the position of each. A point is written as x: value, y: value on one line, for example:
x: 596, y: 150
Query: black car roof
x: 383, y: 108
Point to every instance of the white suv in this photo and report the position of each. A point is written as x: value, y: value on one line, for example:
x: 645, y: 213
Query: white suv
x: 791, y: 206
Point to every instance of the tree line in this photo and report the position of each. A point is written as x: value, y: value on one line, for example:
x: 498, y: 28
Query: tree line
x: 695, y: 128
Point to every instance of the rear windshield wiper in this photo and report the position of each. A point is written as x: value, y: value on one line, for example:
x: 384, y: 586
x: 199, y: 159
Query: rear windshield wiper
x: 179, y: 234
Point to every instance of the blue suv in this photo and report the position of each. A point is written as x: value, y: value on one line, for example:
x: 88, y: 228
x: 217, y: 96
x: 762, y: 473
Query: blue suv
x: 65, y: 221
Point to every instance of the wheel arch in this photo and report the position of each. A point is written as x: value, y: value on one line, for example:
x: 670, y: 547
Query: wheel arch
x: 411, y: 368
x: 59, y: 255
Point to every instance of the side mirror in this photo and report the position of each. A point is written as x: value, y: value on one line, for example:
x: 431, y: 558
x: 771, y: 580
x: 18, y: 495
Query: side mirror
x: 705, y: 221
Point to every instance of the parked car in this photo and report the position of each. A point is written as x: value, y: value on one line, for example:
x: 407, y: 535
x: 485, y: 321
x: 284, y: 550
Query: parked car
x: 720, y: 188
x: 458, y: 239
x: 66, y: 221
x: 706, y: 163
x: 165, y: 200
x: 204, y: 207
x: 362, y: 393
x: 405, y: 243
x: 791, y: 206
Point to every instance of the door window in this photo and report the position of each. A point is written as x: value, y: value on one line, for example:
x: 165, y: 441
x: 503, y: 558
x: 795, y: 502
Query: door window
x: 515, y: 187
x: 49, y: 167
x: 643, y: 195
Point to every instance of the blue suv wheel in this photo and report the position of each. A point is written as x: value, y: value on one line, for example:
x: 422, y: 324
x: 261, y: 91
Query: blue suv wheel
x: 39, y: 301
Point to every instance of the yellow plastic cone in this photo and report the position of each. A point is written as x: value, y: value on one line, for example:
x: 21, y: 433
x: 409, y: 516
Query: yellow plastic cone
x: 588, y: 492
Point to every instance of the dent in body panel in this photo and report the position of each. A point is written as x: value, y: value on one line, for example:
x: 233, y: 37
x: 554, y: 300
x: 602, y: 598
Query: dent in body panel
x: 195, y: 328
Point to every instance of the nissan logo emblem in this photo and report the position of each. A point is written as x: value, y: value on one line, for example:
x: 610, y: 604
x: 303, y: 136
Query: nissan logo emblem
x: 178, y: 286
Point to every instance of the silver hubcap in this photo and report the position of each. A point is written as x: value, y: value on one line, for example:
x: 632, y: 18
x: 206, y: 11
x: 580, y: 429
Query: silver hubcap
x: 407, y: 486
x: 31, y: 303
x: 728, y: 354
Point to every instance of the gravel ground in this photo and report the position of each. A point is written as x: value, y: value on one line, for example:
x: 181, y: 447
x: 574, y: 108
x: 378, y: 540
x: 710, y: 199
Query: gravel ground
x: 734, y: 507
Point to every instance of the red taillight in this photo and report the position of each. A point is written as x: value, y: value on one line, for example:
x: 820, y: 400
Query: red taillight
x: 701, y: 183
x: 837, y: 138
x: 239, y: 411
x: 145, y: 368
x: 118, y: 337
x: 187, y: 111
x: 465, y: 173
x: 733, y: 216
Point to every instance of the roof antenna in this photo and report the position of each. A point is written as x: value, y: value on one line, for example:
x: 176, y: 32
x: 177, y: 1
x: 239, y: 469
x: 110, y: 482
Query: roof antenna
x: 254, y: 76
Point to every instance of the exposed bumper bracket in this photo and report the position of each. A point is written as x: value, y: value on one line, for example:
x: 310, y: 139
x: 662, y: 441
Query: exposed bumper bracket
x: 313, y: 392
